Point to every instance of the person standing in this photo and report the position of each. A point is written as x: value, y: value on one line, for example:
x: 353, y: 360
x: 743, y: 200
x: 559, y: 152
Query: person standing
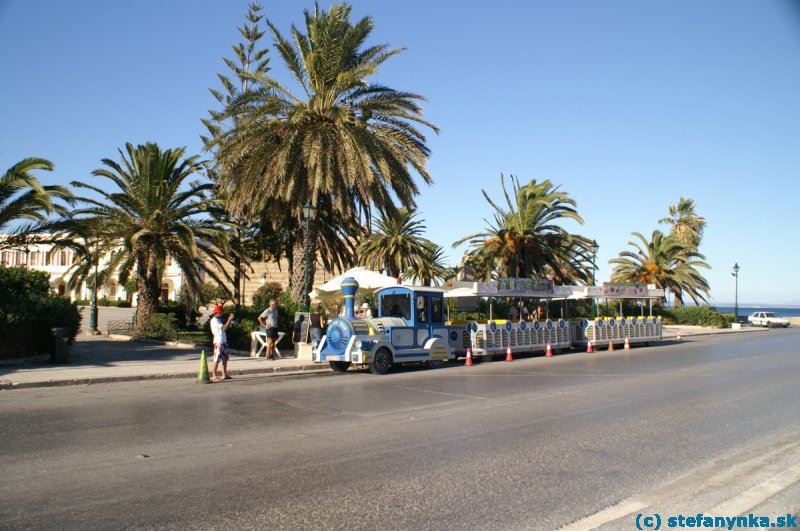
x: 220, y: 342
x: 269, y: 320
x: 317, y: 323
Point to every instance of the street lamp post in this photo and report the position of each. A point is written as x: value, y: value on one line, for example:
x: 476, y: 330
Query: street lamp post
x: 736, y: 293
x: 93, y: 308
x: 308, y: 212
x: 595, y: 248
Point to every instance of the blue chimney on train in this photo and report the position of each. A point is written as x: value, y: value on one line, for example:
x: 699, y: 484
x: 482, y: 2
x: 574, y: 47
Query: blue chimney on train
x: 349, y: 289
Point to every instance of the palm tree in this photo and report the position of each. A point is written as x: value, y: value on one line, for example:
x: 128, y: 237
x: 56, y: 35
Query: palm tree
x: 666, y: 262
x: 397, y: 244
x: 148, y: 214
x: 24, y: 198
x: 430, y: 268
x: 341, y: 137
x: 249, y: 58
x: 686, y: 224
x: 524, y: 237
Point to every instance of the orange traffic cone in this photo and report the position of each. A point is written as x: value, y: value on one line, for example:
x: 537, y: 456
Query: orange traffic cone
x: 509, y: 357
x: 469, y: 357
x: 610, y: 345
x: 589, y: 348
x: 549, y: 351
x: 627, y: 344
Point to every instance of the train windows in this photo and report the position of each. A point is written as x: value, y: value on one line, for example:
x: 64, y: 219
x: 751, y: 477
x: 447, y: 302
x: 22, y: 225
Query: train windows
x: 422, y: 309
x: 396, y: 305
x: 436, y: 310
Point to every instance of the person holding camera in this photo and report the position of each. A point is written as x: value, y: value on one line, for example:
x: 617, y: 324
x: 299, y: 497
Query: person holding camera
x: 220, y: 342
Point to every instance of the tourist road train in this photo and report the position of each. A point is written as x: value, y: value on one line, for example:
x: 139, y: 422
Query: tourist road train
x: 413, y: 326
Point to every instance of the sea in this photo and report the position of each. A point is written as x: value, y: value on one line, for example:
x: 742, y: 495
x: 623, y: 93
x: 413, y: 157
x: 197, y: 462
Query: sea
x: 786, y: 311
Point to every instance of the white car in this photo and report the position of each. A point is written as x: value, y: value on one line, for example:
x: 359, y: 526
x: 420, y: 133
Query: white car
x: 768, y: 319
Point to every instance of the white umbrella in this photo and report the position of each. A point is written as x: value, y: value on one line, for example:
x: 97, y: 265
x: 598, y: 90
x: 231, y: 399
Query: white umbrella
x: 368, y: 282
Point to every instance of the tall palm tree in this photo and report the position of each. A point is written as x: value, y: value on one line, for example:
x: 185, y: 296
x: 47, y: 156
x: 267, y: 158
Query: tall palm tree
x: 148, y: 213
x: 525, y: 237
x: 666, y: 262
x: 339, y: 137
x: 24, y: 199
x: 430, y: 268
x: 397, y: 244
x: 686, y: 224
x: 249, y: 58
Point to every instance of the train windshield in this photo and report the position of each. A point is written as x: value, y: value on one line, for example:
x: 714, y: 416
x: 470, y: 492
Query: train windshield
x: 396, y: 305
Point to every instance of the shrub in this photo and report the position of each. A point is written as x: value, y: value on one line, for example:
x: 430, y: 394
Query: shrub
x: 698, y: 315
x: 265, y: 293
x: 161, y: 326
x: 120, y: 304
x: 28, y: 312
x: 175, y: 308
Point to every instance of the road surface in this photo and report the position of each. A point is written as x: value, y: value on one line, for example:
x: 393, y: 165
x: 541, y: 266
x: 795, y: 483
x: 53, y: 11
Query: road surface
x: 583, y: 439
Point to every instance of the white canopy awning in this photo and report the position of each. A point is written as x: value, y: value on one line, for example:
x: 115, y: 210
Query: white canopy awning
x: 368, y: 282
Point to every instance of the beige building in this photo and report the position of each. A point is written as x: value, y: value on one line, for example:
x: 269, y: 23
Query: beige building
x: 264, y: 272
x: 58, y: 265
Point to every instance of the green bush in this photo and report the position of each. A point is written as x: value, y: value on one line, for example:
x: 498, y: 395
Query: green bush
x: 175, y: 308
x: 239, y: 334
x: 697, y: 315
x: 265, y: 293
x: 161, y: 326
x: 28, y: 311
x: 120, y: 304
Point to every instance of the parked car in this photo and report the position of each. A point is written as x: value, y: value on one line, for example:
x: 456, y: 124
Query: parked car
x: 768, y: 319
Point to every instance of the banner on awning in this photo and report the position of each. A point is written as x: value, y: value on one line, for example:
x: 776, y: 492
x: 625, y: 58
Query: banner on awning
x: 611, y: 290
x: 509, y: 285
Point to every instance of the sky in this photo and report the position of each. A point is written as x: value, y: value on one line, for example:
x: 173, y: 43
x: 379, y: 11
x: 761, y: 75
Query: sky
x: 627, y: 105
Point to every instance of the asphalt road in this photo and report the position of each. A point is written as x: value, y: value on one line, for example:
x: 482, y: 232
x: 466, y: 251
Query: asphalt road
x: 588, y: 439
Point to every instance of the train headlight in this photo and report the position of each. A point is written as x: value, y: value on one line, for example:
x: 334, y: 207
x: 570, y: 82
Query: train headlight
x: 358, y: 344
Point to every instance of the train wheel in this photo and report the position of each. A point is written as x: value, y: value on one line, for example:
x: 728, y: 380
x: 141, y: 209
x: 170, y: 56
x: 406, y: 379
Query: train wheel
x: 435, y: 364
x: 340, y: 366
x: 382, y: 362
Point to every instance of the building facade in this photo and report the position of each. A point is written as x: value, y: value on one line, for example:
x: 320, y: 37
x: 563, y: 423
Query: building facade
x: 58, y: 264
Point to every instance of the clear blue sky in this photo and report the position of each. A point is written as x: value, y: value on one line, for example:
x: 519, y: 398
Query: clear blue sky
x: 627, y: 104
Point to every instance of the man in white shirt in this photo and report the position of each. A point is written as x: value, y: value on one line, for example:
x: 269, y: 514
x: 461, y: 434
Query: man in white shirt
x: 220, y: 342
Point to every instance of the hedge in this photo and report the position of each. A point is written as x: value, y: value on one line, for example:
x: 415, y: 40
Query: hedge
x: 28, y: 311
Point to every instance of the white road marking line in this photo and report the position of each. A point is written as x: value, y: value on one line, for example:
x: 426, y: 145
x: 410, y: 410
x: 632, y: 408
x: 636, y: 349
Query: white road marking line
x: 755, y: 495
x: 688, y: 483
x: 610, y: 514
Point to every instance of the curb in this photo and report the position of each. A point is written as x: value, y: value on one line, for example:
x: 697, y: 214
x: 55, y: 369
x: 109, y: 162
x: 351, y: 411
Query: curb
x: 275, y: 371
x: 689, y: 336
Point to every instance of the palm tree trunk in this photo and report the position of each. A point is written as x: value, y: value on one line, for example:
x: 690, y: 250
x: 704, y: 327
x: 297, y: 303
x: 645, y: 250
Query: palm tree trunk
x: 297, y: 273
x: 145, y: 303
x: 237, y: 282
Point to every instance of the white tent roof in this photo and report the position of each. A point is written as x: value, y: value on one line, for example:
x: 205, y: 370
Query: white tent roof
x: 368, y: 282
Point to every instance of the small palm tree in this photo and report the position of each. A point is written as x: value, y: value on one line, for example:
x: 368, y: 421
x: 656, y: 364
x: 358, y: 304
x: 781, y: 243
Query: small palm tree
x: 397, y: 245
x: 23, y: 198
x: 430, y: 268
x: 147, y: 214
x: 666, y: 262
x: 336, y: 135
x: 525, y: 237
x: 686, y: 224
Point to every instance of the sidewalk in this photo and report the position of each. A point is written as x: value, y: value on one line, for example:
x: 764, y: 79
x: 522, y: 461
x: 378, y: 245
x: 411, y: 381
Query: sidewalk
x: 100, y: 360
x: 671, y: 331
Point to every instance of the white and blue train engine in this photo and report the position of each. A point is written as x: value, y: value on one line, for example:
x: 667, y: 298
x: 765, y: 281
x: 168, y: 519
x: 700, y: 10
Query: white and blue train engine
x: 410, y: 327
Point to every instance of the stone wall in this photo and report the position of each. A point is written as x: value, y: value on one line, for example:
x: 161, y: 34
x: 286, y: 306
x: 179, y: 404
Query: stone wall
x: 275, y: 272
